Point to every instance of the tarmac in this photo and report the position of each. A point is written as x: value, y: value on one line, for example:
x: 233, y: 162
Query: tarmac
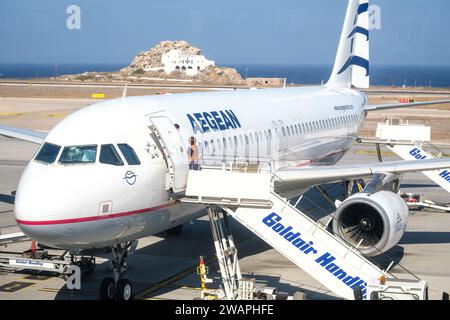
x: 164, y: 267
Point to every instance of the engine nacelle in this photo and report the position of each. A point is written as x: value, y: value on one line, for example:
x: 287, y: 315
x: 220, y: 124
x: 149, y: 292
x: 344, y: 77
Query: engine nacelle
x: 379, y: 219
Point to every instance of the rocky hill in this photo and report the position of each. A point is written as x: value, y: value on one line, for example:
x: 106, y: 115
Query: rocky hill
x: 152, y: 58
x: 145, y: 68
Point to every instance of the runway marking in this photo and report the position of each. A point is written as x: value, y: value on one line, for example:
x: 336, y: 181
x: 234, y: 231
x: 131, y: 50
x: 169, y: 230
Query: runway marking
x: 374, y: 153
x: 15, y: 286
x: 36, y: 277
x: 67, y: 291
x: 55, y: 115
x: 10, y: 114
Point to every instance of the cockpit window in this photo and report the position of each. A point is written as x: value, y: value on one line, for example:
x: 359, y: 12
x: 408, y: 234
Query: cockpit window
x: 48, y: 153
x: 129, y: 154
x: 78, y: 155
x: 109, y: 155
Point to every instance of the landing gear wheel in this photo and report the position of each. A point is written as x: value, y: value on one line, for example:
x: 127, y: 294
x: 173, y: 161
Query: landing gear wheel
x: 107, y: 289
x: 124, y: 290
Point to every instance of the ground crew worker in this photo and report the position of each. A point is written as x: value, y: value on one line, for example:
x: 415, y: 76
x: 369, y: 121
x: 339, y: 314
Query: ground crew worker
x: 193, y: 154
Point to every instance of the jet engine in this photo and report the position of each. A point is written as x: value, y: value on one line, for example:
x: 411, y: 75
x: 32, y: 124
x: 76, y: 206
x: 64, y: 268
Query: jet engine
x: 375, y: 221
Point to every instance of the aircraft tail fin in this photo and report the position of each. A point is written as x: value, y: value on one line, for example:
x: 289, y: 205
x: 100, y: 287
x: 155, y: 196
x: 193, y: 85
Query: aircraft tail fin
x: 351, y: 67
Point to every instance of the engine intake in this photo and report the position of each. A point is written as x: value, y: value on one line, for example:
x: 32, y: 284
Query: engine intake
x: 378, y: 219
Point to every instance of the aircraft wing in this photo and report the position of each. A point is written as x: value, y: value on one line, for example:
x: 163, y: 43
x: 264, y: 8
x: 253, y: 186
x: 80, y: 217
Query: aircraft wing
x: 403, y: 105
x: 37, y: 137
x: 289, y: 178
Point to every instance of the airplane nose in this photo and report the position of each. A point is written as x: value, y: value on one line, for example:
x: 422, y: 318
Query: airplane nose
x: 41, y: 203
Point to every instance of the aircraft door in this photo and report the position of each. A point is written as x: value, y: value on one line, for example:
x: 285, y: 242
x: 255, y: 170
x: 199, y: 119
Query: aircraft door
x: 173, y: 149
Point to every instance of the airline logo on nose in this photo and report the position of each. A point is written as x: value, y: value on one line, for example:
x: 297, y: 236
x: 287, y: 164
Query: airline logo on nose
x: 204, y: 122
x: 130, y: 177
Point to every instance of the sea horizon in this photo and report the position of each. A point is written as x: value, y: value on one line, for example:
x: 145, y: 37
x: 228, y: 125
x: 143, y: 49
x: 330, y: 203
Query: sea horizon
x: 382, y: 75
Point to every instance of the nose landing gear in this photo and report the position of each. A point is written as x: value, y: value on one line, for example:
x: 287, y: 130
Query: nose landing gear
x: 117, y: 288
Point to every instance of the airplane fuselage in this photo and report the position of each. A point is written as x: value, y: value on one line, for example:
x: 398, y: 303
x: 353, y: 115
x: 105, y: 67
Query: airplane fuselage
x: 98, y: 202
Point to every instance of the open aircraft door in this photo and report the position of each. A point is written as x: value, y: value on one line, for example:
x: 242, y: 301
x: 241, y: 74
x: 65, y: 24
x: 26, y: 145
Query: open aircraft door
x: 172, y: 147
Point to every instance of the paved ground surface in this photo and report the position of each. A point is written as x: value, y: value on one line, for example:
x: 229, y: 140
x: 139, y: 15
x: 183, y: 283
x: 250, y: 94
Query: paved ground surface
x: 164, y: 267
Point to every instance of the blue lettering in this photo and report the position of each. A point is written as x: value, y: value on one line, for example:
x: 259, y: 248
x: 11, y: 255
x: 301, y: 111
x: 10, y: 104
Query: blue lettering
x: 416, y: 153
x: 446, y: 175
x: 233, y: 118
x: 332, y: 267
x: 298, y: 242
x: 195, y: 127
x: 350, y: 280
x: 271, y: 219
x: 278, y: 227
x: 202, y: 121
x: 325, y: 259
x: 212, y: 124
x: 219, y: 121
x: 213, y: 121
x: 340, y: 274
x: 291, y: 236
x: 282, y: 233
x: 228, y: 122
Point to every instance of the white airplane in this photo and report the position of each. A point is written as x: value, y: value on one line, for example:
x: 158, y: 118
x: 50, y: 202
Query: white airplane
x: 113, y: 172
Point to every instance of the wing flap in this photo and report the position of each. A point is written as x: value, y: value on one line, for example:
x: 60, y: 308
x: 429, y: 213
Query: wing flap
x: 288, y: 178
x: 403, y: 105
x: 37, y: 137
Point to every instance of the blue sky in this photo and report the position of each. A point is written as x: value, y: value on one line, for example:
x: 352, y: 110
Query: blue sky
x: 414, y: 32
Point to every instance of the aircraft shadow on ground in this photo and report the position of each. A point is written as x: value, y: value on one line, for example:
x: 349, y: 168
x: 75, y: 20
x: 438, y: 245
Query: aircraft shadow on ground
x: 389, y: 259
x: 420, y: 237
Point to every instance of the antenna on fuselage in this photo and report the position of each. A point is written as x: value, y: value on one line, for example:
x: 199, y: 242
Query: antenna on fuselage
x: 124, y: 94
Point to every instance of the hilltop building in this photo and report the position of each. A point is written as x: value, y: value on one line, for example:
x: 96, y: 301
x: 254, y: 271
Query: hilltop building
x: 191, y: 64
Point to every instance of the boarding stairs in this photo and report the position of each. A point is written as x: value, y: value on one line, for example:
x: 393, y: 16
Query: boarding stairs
x: 411, y: 142
x: 250, y: 199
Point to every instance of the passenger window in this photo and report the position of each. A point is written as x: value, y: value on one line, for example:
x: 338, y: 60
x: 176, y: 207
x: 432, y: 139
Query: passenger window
x: 219, y: 145
x: 129, y: 154
x: 48, y: 153
x: 109, y: 155
x: 78, y: 155
x: 224, y: 143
